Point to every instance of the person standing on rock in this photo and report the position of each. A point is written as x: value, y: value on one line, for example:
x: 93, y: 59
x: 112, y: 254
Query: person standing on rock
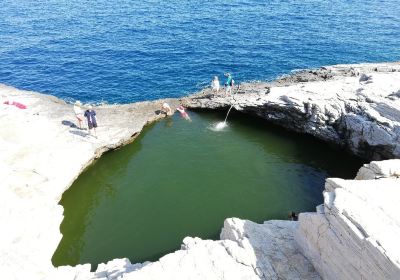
x: 90, y: 115
x: 78, y: 113
x: 228, y: 84
x: 215, y: 85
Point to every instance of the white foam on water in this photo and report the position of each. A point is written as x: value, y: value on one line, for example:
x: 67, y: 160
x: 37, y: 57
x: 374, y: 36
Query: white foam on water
x: 218, y: 126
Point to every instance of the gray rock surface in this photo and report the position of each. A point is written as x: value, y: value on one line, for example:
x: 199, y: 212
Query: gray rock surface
x: 361, y: 116
x: 354, y: 234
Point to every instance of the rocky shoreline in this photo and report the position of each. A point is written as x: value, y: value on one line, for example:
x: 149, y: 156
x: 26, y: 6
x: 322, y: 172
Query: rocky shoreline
x: 351, y: 106
x: 352, y: 235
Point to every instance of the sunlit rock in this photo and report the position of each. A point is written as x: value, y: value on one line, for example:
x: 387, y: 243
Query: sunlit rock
x: 356, y: 236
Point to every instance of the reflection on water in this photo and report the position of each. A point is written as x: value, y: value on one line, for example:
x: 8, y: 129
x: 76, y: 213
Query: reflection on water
x: 182, y: 179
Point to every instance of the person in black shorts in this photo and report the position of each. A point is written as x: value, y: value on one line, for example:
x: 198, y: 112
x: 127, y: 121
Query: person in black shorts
x: 90, y: 115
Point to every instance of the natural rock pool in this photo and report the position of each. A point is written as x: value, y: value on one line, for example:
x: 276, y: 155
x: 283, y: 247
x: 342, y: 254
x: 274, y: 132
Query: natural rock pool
x: 181, y: 178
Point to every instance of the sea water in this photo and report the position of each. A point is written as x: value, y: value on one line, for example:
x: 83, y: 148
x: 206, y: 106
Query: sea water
x: 125, y: 51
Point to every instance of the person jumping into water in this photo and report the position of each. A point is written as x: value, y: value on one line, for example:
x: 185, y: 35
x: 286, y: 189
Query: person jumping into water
x: 228, y: 84
x: 184, y: 115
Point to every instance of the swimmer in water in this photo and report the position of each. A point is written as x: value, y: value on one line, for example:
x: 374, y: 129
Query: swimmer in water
x: 183, y: 113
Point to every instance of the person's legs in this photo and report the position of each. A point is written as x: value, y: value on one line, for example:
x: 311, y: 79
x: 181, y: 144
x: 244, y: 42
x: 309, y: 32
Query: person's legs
x: 228, y: 90
x: 79, y: 122
x: 94, y: 128
x: 90, y: 126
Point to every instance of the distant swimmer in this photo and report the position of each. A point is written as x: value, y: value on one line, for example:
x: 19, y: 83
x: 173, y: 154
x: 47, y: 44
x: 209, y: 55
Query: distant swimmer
x: 184, y: 114
x: 166, y: 109
x: 215, y: 85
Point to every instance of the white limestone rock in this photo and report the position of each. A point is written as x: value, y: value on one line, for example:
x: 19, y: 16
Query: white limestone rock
x: 356, y: 236
x: 246, y: 251
x: 379, y: 169
x: 41, y: 153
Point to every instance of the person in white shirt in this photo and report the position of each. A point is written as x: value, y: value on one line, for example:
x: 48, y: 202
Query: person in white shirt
x: 79, y: 113
x: 215, y: 85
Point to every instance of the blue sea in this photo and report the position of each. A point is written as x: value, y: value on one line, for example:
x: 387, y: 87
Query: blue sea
x: 125, y: 51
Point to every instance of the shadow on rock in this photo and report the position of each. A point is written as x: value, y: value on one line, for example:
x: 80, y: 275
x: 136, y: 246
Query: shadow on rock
x: 79, y: 133
x: 69, y: 123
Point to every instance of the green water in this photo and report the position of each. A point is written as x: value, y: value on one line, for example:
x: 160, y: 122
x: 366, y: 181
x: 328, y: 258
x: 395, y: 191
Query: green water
x: 182, y: 178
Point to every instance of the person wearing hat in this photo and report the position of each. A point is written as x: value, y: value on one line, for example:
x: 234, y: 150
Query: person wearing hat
x: 90, y: 115
x: 78, y: 113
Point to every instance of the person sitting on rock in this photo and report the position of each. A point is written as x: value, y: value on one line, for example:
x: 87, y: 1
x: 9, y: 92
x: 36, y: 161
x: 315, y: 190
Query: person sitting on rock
x: 293, y: 216
x: 78, y: 113
x: 166, y: 109
x: 215, y: 85
x: 90, y: 115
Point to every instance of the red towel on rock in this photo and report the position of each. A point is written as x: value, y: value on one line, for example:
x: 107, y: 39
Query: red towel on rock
x: 16, y: 104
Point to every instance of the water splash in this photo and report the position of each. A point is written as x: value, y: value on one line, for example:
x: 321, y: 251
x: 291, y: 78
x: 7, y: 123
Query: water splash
x: 221, y: 125
x: 218, y: 127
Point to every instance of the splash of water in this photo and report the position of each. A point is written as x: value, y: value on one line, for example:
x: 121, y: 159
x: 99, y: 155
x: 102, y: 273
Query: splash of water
x: 222, y: 125
x: 218, y: 127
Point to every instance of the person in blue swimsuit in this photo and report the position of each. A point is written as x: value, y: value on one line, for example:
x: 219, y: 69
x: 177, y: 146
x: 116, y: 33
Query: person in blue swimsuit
x: 90, y: 115
x: 228, y: 84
